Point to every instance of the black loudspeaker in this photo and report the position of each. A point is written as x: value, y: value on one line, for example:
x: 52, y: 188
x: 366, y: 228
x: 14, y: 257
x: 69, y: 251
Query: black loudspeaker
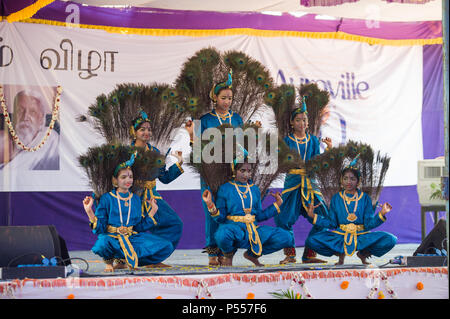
x: 435, y: 239
x: 25, y: 245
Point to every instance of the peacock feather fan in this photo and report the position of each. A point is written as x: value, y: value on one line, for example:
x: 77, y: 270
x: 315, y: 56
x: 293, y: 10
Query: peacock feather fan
x: 271, y: 170
x: 284, y: 99
x: 112, y: 115
x: 316, y: 101
x: 265, y: 168
x: 100, y: 162
x: 251, y: 83
x: 207, y: 67
x: 326, y: 169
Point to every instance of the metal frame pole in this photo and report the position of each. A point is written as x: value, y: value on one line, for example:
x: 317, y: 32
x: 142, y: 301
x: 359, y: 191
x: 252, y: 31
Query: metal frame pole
x: 445, y: 31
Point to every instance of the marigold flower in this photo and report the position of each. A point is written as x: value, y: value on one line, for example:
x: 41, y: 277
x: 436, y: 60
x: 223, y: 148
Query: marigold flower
x: 344, y: 284
x: 419, y: 286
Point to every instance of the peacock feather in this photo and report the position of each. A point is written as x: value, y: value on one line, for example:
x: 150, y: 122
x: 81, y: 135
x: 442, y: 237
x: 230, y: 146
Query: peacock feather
x: 100, y: 162
x: 111, y: 115
x: 207, y: 67
x: 283, y: 100
x: 265, y: 169
x: 326, y: 169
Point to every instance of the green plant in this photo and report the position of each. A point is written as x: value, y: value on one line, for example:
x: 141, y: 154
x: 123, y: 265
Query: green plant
x: 286, y: 294
x: 436, y: 191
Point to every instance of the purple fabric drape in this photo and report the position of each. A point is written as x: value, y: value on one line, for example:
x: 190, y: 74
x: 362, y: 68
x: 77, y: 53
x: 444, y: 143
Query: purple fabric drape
x: 433, y: 102
x: 65, y: 211
x: 149, y: 18
x: 10, y: 6
x: 324, y: 3
x: 330, y: 3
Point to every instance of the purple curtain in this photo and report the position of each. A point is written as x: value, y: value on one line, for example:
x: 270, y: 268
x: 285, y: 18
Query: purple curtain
x: 329, y: 3
x: 10, y: 6
x: 324, y: 3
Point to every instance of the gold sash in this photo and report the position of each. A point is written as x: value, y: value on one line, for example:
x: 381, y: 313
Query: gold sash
x: 253, y: 236
x: 148, y: 187
x: 123, y: 232
x: 351, y: 232
x: 310, y: 192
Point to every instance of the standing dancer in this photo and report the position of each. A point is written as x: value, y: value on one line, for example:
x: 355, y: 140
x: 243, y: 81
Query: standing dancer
x: 347, y: 227
x: 222, y: 96
x: 120, y: 222
x: 220, y: 103
x: 299, y: 190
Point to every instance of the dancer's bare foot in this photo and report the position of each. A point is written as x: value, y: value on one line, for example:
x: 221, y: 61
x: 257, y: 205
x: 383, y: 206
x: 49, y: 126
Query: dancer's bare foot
x: 214, y: 261
x: 227, y: 261
x: 109, y: 268
x: 363, y: 256
x: 288, y: 260
x: 120, y: 264
x: 313, y: 260
x: 252, y: 259
x: 341, y: 259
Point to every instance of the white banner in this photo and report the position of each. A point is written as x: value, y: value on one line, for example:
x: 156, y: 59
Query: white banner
x: 376, y: 93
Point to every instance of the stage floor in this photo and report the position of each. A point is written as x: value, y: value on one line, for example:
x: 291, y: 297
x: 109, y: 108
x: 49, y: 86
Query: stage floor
x: 193, y: 261
x: 191, y: 278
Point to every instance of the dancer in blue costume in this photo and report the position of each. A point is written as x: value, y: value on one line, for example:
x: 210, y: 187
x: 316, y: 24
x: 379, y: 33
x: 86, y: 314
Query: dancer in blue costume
x: 238, y: 209
x: 222, y: 96
x: 168, y: 224
x: 299, y: 190
x: 347, y: 228
x: 121, y: 225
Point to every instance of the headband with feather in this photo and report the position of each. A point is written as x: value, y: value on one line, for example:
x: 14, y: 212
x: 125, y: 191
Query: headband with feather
x: 240, y: 156
x: 228, y: 84
x: 301, y: 109
x: 125, y: 164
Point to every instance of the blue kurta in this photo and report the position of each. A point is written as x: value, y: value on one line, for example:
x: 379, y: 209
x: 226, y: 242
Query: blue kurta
x: 139, y: 248
x: 209, y: 120
x: 168, y: 224
x: 299, y: 190
x: 233, y: 234
x: 337, y: 237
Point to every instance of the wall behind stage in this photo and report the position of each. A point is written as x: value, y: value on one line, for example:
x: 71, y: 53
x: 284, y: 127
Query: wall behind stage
x: 387, y: 96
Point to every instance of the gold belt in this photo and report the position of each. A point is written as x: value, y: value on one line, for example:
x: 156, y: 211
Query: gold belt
x: 241, y: 219
x: 253, y: 236
x: 122, y: 230
x: 352, y: 230
x: 297, y: 171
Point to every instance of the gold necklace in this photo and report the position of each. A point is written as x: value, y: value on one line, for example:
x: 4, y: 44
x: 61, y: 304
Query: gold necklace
x: 299, y: 141
x: 120, y: 207
x: 351, y: 216
x: 126, y: 199
x: 224, y: 117
x: 241, y: 192
x: 246, y: 210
